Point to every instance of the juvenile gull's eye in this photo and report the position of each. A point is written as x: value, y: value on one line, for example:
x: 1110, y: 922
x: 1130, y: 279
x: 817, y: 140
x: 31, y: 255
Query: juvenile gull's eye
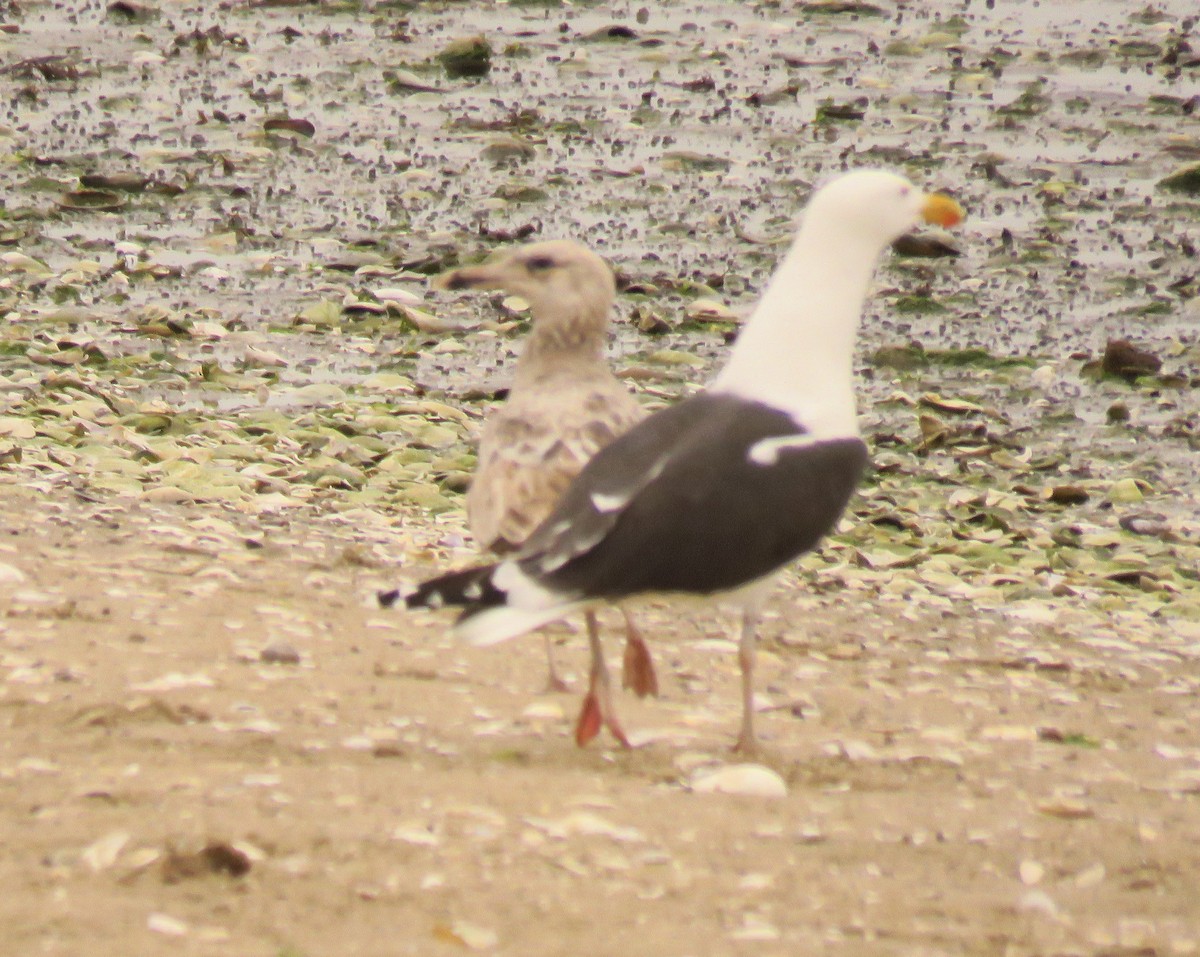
x: 539, y: 263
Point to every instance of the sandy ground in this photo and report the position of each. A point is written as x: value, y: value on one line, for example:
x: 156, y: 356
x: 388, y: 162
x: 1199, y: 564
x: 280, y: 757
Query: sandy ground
x: 214, y: 743
x: 954, y: 786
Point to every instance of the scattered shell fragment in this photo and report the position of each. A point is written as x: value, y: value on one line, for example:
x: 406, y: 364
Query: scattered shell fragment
x: 675, y: 357
x: 1067, y: 808
x: 543, y: 711
x: 166, y: 925
x: 709, y: 310
x: 514, y: 305
x: 174, y: 680
x: 417, y: 834
x: 428, y: 322
x: 10, y: 574
x: 1126, y: 491
x: 124, y: 182
x: 1038, y: 902
x: 502, y: 150
x: 1009, y: 732
x: 404, y: 297
x: 470, y: 936
x: 288, y: 124
x: 755, y: 882
x: 1186, y: 180
x: 699, y: 162
x: 103, y: 853
x: 585, y: 824
x: 755, y: 928
x: 405, y: 81
x: 19, y: 262
x: 752, y: 780
x: 99, y: 200
x: 1091, y: 876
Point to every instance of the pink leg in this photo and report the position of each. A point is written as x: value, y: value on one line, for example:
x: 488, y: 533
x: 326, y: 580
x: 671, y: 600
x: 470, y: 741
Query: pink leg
x: 597, y: 709
x: 637, y: 671
x: 746, y: 742
x: 553, y: 681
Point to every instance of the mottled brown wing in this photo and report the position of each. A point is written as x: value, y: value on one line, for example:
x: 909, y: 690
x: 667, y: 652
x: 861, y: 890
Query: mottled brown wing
x: 530, y: 451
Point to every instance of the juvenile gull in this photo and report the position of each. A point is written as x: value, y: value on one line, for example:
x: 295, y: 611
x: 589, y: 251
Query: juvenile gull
x: 564, y: 406
x: 715, y: 495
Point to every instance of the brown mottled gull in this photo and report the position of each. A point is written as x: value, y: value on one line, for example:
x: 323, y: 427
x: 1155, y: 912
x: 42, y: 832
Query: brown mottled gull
x: 564, y: 406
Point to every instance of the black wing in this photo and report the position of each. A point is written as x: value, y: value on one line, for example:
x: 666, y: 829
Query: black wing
x: 679, y: 504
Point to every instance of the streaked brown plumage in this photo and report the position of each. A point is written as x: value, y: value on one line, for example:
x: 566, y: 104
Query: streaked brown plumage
x: 565, y: 404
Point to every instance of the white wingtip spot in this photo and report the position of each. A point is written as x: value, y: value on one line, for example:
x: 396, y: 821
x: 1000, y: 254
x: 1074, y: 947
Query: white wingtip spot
x: 765, y: 452
x: 604, y: 504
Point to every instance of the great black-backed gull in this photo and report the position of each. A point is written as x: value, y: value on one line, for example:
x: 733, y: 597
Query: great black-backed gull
x: 564, y: 406
x: 714, y: 495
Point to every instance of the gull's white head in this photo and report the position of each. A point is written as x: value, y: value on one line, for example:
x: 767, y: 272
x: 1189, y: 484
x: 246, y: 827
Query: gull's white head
x: 878, y: 207
x: 796, y: 353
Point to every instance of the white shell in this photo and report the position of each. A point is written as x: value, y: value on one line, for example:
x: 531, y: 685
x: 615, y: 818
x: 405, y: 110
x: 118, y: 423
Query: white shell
x: 543, y: 711
x: 398, y: 294
x: 753, y: 780
x: 165, y: 924
x: 10, y: 573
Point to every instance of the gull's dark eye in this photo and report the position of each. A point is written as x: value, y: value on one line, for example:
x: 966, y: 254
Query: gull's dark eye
x: 539, y: 263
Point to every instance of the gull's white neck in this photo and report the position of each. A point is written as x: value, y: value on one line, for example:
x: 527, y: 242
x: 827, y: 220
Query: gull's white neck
x: 796, y: 353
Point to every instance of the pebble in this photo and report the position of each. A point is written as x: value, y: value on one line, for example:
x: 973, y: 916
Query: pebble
x: 1031, y: 872
x: 280, y: 653
x: 1091, y: 876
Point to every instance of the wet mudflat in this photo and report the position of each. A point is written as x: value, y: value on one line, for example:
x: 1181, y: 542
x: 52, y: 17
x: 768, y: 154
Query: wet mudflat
x: 231, y: 410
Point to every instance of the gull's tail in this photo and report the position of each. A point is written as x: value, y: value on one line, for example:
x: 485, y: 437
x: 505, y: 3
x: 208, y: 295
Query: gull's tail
x: 472, y: 589
x: 491, y: 612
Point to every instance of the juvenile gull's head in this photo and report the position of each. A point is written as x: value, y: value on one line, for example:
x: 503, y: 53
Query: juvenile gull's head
x: 562, y: 280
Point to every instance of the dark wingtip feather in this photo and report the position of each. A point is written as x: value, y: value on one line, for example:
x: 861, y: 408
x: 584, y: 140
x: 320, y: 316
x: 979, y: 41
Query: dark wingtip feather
x: 387, y: 598
x: 427, y: 596
x: 471, y: 588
